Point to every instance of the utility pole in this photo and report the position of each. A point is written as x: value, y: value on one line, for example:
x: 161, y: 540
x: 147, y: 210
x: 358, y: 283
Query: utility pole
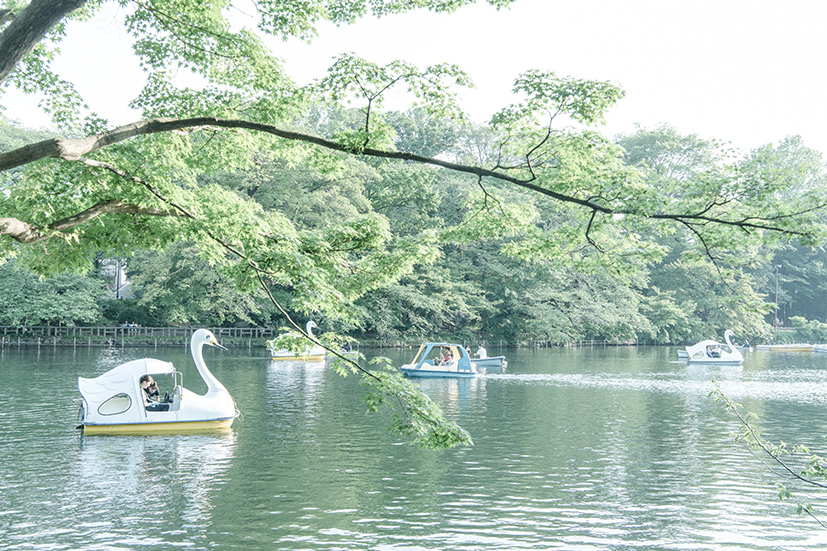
x: 776, y: 295
x: 118, y: 279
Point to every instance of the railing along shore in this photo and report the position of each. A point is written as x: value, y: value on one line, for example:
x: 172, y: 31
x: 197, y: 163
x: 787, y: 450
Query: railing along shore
x: 231, y: 337
x: 128, y: 335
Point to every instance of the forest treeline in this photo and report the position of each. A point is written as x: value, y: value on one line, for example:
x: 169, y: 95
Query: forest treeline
x: 480, y: 286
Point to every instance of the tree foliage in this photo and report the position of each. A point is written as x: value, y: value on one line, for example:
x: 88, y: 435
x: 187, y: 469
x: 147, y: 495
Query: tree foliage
x: 66, y: 299
x: 801, y: 470
x: 179, y: 287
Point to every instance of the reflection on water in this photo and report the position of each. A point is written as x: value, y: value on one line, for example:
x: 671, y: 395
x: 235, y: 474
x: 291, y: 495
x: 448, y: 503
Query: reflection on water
x: 115, y: 490
x: 456, y: 396
x: 154, y: 468
x: 583, y: 449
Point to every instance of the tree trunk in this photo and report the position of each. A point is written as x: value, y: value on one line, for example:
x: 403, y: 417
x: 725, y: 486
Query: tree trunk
x: 28, y: 28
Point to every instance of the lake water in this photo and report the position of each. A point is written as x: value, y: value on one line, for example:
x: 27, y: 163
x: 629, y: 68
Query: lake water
x: 575, y: 449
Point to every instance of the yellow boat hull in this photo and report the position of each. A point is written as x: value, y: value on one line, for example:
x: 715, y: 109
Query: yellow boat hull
x: 792, y: 348
x: 160, y: 428
x: 310, y: 358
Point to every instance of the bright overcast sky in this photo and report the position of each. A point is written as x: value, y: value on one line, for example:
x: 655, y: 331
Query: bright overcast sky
x: 745, y: 71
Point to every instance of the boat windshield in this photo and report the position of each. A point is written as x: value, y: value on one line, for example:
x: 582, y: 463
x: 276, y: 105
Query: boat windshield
x: 419, y: 354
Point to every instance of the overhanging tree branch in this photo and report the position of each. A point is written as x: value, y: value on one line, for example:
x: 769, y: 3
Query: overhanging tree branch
x: 772, y: 456
x: 26, y: 233
x: 75, y: 149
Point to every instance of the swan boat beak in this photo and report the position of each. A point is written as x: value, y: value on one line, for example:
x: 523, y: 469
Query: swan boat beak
x: 215, y: 344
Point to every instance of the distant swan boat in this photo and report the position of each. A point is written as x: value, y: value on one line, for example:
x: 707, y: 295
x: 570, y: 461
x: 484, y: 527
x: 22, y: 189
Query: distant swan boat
x: 311, y: 353
x: 713, y: 352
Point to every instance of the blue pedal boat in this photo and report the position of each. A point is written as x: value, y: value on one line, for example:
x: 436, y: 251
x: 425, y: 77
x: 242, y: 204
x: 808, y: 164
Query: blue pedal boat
x: 438, y: 359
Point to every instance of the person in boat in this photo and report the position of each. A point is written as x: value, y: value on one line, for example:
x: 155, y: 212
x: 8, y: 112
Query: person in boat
x: 346, y: 347
x: 447, y: 357
x: 713, y: 351
x: 482, y: 353
x: 152, y: 391
x: 151, y: 394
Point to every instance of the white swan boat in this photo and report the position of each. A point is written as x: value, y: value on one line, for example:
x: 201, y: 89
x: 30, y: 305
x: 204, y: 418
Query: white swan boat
x: 436, y: 359
x: 311, y: 352
x: 713, y: 352
x: 114, y: 402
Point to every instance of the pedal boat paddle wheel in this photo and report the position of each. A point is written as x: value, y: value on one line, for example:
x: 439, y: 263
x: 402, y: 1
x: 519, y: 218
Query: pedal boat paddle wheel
x: 114, y: 403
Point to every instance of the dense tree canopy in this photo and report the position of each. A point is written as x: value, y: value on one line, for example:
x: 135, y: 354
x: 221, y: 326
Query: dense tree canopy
x: 66, y: 299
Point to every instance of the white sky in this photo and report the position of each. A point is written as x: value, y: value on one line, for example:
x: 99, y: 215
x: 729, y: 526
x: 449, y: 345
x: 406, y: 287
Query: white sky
x: 746, y: 71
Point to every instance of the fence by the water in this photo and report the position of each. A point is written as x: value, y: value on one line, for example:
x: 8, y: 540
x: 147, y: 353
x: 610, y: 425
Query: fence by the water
x: 230, y: 337
x: 128, y: 335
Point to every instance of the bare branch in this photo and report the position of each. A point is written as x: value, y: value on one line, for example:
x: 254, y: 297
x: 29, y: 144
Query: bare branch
x: 20, y: 231
x: 750, y: 223
x: 588, y: 231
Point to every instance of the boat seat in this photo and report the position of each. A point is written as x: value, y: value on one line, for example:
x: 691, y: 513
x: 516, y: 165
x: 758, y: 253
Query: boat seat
x: 175, y: 404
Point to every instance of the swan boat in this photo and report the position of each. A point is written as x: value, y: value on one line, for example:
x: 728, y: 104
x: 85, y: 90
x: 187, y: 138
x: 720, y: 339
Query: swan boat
x: 311, y: 353
x: 713, y: 352
x: 430, y: 362
x: 113, y: 403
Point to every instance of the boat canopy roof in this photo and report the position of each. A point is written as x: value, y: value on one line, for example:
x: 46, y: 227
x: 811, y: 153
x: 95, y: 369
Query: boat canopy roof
x: 425, y: 348
x: 122, y: 377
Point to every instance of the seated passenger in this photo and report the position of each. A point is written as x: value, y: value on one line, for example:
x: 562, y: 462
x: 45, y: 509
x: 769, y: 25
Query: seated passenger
x: 151, y: 393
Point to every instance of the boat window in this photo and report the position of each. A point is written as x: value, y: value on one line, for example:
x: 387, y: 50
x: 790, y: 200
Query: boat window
x: 438, y: 355
x: 118, y: 403
x: 419, y: 353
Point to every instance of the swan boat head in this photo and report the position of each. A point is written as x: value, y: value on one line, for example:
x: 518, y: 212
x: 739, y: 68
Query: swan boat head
x: 199, y: 340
